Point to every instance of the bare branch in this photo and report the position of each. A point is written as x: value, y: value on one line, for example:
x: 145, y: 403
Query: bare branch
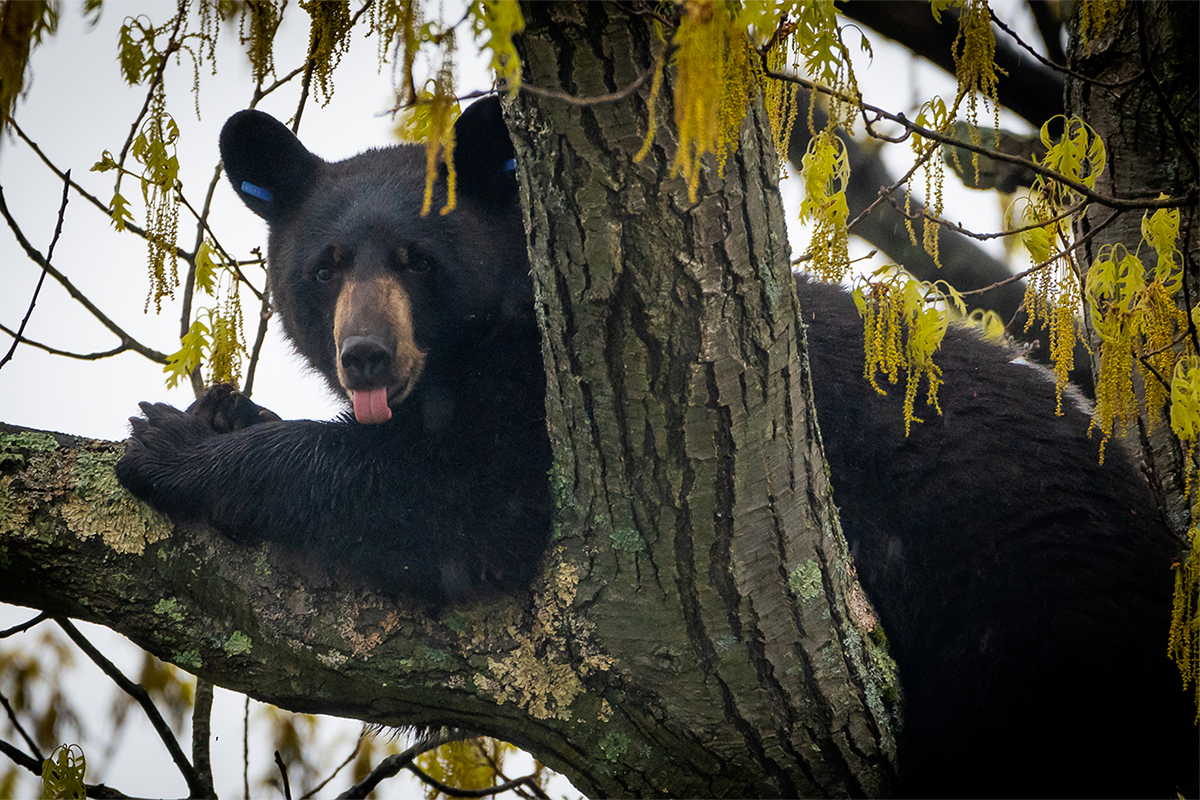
x: 392, y: 765
x: 91, y: 198
x: 201, y: 733
x: 450, y: 791
x: 264, y: 317
x: 287, y: 785
x: 54, y: 351
x: 349, y: 759
x: 195, y: 784
x: 612, y: 97
x: 24, y: 626
x: 62, y: 210
x: 1060, y: 254
x: 127, y: 341
x: 1000, y: 24
x: 16, y: 723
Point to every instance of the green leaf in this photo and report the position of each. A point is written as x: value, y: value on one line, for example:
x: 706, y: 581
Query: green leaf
x: 189, y: 357
x: 118, y: 210
x: 129, y: 55
x: 500, y: 20
x: 63, y: 771
x: 206, y: 269
x: 1185, y: 398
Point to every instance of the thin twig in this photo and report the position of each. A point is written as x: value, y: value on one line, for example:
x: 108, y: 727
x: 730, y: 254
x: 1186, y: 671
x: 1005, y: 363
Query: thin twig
x: 54, y: 351
x: 24, y: 626
x: 62, y: 210
x: 201, y: 733
x: 84, y: 193
x: 246, y: 749
x: 16, y: 723
x: 126, y: 340
x: 922, y: 213
x: 392, y: 765
x: 30, y: 764
x: 495, y: 765
x: 287, y: 785
x: 1060, y: 254
x: 349, y: 759
x: 885, y: 193
x: 21, y: 758
x: 582, y: 102
x: 451, y: 791
x: 264, y: 317
x: 1058, y: 67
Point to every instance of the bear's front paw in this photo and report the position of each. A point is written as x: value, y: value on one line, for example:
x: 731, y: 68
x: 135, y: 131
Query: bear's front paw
x: 157, y: 456
x: 223, y: 409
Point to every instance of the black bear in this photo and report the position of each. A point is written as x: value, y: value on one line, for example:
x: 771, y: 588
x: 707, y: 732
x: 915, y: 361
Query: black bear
x: 1025, y: 589
x: 426, y: 324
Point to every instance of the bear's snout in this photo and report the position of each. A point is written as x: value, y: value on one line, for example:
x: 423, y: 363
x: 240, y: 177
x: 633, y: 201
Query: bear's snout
x: 366, y: 360
x: 378, y: 360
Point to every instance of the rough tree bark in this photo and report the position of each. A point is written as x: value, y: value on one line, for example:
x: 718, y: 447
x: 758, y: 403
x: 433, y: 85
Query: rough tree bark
x: 1149, y: 127
x: 695, y: 631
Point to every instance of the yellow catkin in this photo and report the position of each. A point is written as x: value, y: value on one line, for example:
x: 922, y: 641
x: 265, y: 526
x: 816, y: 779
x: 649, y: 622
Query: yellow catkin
x: 901, y: 332
x: 781, y: 98
x: 1183, y: 644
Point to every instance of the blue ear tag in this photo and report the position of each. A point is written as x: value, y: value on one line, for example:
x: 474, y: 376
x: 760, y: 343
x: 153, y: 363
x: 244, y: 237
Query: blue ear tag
x: 509, y: 166
x: 257, y: 191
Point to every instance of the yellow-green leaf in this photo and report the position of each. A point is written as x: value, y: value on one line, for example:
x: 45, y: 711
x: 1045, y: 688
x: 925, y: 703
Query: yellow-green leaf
x: 206, y: 269
x: 118, y: 210
x: 1185, y: 398
x: 189, y: 357
x: 62, y: 773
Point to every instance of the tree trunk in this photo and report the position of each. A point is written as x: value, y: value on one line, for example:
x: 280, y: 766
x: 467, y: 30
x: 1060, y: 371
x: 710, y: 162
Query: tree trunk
x: 695, y: 630
x: 1148, y: 150
x: 694, y: 496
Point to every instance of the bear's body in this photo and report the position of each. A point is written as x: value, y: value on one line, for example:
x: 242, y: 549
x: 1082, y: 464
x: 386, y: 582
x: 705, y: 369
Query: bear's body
x: 1025, y: 589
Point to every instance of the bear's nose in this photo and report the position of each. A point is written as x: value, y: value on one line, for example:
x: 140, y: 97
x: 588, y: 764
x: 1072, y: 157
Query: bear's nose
x: 366, y: 360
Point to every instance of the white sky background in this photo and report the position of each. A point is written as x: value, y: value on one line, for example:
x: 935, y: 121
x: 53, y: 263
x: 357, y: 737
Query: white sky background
x: 78, y: 106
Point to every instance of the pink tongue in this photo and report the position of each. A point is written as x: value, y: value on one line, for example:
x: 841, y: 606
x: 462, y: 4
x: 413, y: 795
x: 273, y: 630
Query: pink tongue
x: 371, y: 407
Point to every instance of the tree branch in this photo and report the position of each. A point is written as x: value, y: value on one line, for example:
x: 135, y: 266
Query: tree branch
x: 194, y: 781
x: 1030, y: 91
x: 127, y: 341
x: 62, y: 210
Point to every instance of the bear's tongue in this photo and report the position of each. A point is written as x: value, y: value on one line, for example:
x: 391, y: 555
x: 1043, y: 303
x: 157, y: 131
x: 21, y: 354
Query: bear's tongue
x: 371, y: 406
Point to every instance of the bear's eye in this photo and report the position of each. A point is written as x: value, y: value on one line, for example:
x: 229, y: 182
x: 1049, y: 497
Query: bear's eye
x: 323, y: 275
x: 420, y: 263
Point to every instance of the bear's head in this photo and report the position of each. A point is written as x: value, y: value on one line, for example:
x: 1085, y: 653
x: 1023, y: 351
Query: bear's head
x: 371, y: 292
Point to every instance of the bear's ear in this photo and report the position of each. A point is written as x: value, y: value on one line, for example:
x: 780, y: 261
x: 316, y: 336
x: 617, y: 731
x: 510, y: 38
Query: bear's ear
x: 268, y: 167
x: 483, y: 153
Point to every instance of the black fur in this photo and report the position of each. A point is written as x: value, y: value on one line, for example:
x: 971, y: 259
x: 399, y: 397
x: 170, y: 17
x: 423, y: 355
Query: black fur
x: 448, y: 498
x: 1025, y: 589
